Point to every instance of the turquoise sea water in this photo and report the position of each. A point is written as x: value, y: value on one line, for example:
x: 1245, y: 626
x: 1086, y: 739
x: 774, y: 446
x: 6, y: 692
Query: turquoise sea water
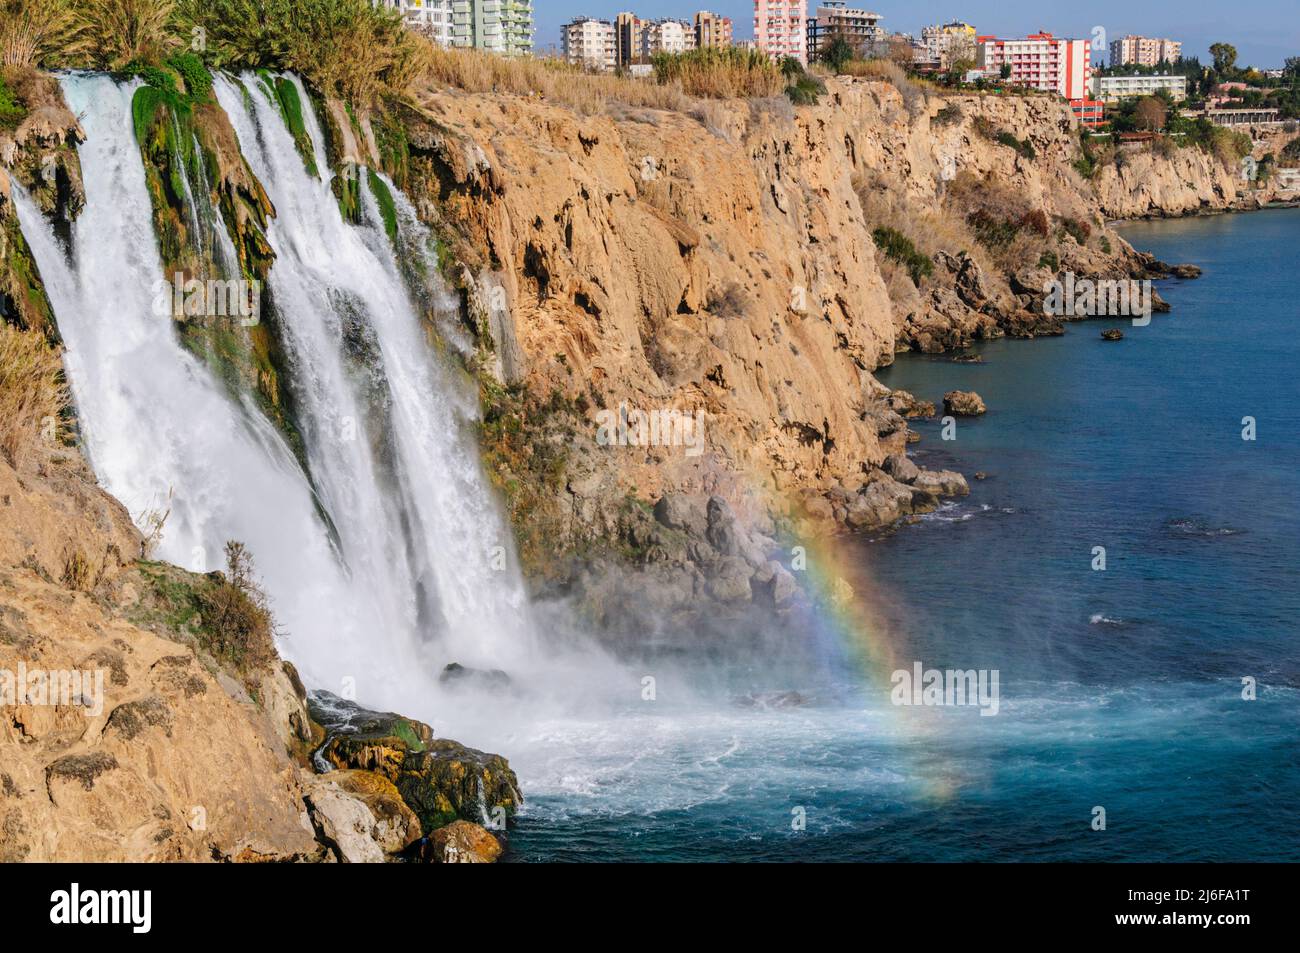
x: 1120, y: 689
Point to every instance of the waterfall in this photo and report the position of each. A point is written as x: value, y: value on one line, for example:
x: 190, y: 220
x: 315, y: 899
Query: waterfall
x: 413, y: 574
x: 388, y: 428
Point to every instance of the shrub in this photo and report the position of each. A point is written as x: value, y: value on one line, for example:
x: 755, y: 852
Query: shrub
x: 805, y: 90
x: 1036, y: 221
x: 720, y: 73
x: 898, y: 247
x: 836, y: 52
x: 117, y: 32
x: 990, y: 231
x: 1050, y: 261
x: 198, y: 81
x: 38, y: 32
x: 33, y: 392
x: 1023, y: 146
x: 348, y: 48
x: 948, y: 115
x: 236, y: 619
x: 1077, y: 229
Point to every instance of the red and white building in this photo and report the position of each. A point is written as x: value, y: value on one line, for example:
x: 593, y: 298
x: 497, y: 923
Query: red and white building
x: 1050, y: 63
x: 781, y: 28
x: 1041, y: 61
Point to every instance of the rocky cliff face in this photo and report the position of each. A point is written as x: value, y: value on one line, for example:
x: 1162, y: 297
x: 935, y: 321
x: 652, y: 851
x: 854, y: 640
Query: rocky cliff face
x: 725, y: 262
x: 1185, y: 182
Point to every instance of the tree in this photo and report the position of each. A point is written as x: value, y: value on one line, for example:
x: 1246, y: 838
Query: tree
x: 1225, y: 57
x: 836, y: 51
x: 900, y: 52
x: 1005, y: 72
x: 1150, y: 114
x: 1292, y: 67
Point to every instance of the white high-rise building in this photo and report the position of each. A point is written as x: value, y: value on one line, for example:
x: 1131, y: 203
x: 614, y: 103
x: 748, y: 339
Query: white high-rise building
x: 499, y: 26
x: 433, y: 18
x: 589, y: 43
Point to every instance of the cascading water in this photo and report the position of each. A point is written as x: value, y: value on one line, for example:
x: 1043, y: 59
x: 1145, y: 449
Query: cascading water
x: 388, y: 429
x: 155, y: 423
x: 415, y: 567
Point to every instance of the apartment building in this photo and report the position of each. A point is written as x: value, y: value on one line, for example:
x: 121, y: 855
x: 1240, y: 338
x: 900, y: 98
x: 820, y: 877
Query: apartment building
x: 1144, y: 51
x: 1039, y: 61
x: 781, y: 28
x: 667, y: 36
x: 836, y: 18
x: 945, y: 43
x: 711, y: 29
x: 589, y: 43
x: 636, y: 40
x: 499, y: 26
x: 1111, y: 89
x: 433, y: 18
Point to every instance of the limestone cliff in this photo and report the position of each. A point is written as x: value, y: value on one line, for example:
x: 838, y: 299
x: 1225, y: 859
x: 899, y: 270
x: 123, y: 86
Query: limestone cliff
x: 725, y: 260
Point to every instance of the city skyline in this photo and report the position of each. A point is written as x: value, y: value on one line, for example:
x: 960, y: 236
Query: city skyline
x: 1265, y: 44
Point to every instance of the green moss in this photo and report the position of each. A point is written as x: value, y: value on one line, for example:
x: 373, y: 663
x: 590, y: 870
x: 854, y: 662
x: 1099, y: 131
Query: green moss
x: 394, y: 149
x: 403, y: 730
x: 384, y: 198
x: 347, y: 191
x: 525, y: 442
x: 291, y: 109
x: 176, y: 144
x: 12, y: 112
x: 22, y: 293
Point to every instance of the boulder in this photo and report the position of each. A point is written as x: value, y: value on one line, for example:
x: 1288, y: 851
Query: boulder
x: 439, y: 779
x: 682, y: 512
x: 456, y: 675
x: 941, y: 483
x: 905, y: 404
x: 775, y: 584
x: 730, y: 580
x: 723, y: 533
x: 396, y: 826
x: 342, y: 821
x: 879, y: 504
x: 1112, y: 334
x: 898, y: 466
x: 963, y: 403
x: 460, y: 842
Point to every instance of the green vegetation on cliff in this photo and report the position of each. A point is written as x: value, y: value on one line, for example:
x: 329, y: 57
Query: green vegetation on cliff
x: 197, y: 178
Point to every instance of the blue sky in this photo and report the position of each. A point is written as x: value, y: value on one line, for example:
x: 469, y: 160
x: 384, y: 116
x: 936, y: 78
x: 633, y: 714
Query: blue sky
x: 1264, y: 31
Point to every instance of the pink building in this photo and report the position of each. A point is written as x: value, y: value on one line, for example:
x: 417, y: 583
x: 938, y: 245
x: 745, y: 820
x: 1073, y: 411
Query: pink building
x: 1041, y: 61
x: 780, y: 28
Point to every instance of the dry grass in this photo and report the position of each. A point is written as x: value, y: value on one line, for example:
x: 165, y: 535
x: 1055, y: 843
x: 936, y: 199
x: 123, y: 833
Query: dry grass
x: 33, y: 394
x: 118, y: 32
x: 721, y: 73
x: 475, y: 71
x: 35, y: 32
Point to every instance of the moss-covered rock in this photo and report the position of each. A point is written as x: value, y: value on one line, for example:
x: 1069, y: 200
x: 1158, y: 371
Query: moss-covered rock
x: 441, y: 780
x: 197, y: 178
